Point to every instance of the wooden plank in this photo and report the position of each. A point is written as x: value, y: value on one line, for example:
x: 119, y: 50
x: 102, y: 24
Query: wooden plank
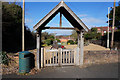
x: 53, y: 57
x: 42, y: 60
x: 56, y: 57
x: 58, y: 28
x: 47, y: 61
x: 63, y: 57
x: 60, y: 57
x: 68, y: 64
x: 66, y: 56
x: 69, y: 57
x: 50, y: 59
x: 51, y: 65
x: 74, y: 55
x: 44, y: 57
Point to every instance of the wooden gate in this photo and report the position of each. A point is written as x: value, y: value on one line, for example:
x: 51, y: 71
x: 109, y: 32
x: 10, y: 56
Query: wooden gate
x: 59, y: 57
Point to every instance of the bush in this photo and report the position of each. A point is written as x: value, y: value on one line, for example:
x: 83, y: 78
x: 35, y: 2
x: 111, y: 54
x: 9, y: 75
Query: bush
x: 70, y: 41
x: 5, y: 59
x: 58, y: 40
x: 48, y: 42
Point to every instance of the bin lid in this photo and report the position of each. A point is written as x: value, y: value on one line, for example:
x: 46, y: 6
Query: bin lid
x: 23, y: 53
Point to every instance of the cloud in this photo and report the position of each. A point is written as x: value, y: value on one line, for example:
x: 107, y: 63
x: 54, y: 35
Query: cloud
x: 28, y: 20
x: 82, y: 15
x: 91, y: 21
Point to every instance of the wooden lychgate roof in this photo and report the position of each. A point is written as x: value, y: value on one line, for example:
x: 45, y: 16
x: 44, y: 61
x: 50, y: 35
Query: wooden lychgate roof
x: 67, y: 12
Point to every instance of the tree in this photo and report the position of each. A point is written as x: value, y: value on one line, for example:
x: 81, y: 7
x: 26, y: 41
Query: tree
x: 74, y: 34
x: 92, y: 34
x: 12, y: 29
x: 70, y: 41
x: 117, y: 17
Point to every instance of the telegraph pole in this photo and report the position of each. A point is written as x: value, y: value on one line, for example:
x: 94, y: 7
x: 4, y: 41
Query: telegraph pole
x: 108, y: 30
x: 112, y: 39
x: 23, y: 18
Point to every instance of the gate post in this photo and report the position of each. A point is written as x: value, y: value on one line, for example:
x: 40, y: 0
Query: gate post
x: 60, y: 57
x: 81, y: 48
x: 38, y: 56
x: 77, y: 57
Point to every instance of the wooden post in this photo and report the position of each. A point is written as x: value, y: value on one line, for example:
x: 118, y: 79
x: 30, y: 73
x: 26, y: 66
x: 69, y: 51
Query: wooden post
x: 60, y: 57
x: 60, y: 19
x: 23, y: 18
x: 113, y: 25
x: 81, y: 48
x: 42, y: 57
x: 77, y: 61
x: 38, y: 49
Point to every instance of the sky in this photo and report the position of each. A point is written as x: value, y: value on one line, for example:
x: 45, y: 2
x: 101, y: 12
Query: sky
x: 93, y: 14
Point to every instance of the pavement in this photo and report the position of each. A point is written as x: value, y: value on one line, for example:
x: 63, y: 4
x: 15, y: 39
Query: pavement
x: 94, y: 71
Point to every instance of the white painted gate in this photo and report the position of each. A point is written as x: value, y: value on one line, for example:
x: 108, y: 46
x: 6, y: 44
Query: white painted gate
x: 59, y: 57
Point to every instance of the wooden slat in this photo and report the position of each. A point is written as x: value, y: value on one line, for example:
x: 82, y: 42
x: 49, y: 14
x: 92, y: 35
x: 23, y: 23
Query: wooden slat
x: 47, y: 61
x: 63, y: 57
x: 51, y: 65
x: 74, y: 56
x: 66, y: 56
x: 68, y: 64
x: 44, y: 56
x: 53, y: 57
x: 56, y: 57
x: 50, y: 59
x: 69, y: 56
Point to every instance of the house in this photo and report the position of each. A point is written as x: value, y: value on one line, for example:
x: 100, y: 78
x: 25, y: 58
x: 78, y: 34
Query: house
x: 64, y: 39
x: 104, y: 29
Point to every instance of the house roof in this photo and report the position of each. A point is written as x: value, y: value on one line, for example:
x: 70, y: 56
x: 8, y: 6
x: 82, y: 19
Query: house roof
x: 105, y: 28
x: 67, y: 12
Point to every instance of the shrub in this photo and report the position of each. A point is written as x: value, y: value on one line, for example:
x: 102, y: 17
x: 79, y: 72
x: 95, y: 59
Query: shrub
x: 5, y: 59
x: 70, y: 41
x: 58, y: 40
x: 48, y: 42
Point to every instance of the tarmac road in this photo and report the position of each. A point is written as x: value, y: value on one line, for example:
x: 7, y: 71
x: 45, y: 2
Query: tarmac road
x: 94, y: 71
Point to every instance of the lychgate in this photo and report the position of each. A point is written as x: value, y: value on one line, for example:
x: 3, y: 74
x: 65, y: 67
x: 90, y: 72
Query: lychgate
x: 60, y: 57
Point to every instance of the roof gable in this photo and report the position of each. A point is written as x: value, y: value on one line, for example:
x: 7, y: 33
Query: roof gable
x: 67, y: 12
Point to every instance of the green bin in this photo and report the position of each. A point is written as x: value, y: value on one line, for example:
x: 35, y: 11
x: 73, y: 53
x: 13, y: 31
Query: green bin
x: 24, y: 62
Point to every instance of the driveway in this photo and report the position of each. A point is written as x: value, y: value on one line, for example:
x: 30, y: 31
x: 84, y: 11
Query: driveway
x: 94, y: 71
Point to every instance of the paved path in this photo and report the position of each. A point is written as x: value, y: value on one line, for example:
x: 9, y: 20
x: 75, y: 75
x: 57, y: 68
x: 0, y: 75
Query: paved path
x: 95, y: 71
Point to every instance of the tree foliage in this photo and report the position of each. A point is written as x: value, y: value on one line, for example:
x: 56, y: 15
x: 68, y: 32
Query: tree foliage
x: 47, y: 38
x: 12, y: 29
x: 70, y: 41
x: 92, y: 34
x: 117, y: 17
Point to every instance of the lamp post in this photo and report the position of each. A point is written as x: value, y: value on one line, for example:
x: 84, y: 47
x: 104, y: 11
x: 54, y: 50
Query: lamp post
x: 108, y: 29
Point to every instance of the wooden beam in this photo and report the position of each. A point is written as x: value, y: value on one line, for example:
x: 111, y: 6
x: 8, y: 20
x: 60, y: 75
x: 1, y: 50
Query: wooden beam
x: 61, y: 28
x: 60, y: 19
x: 77, y: 61
x: 38, y: 49
x: 81, y: 48
x: 58, y: 28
